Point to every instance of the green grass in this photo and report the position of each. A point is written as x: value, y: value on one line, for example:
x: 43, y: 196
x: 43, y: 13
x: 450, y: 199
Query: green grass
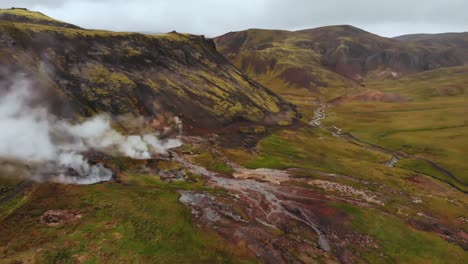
x: 7, y: 185
x: 140, y: 222
x: 9, y: 207
x: 444, y: 82
x: 309, y: 148
x: 421, y: 167
x: 434, y: 129
x: 399, y: 242
x: 212, y: 163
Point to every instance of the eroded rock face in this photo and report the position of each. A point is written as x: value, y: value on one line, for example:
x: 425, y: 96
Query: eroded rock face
x: 85, y: 72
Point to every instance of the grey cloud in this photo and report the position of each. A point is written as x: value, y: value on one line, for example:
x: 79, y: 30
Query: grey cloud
x: 215, y: 17
x: 32, y: 3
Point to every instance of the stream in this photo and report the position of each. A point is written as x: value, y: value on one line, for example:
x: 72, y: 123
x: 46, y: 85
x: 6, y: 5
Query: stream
x: 270, y: 203
x: 319, y: 115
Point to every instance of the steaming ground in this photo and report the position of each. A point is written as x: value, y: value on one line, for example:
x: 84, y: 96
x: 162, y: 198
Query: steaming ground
x: 52, y: 148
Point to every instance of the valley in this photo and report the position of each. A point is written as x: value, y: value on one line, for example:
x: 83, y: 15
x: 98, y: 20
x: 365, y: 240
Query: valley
x: 329, y: 145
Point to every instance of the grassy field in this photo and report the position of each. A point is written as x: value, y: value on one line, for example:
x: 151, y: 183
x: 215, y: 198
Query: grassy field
x: 140, y: 221
x: 311, y: 149
x: 442, y: 82
x: 434, y: 129
x: 401, y: 243
x: 432, y: 125
x: 212, y: 163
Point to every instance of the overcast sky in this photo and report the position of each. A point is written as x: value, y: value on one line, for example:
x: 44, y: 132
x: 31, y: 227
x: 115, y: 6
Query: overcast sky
x: 216, y: 17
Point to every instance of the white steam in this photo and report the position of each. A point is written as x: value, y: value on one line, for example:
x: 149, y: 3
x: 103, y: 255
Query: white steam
x: 31, y: 135
x: 97, y: 133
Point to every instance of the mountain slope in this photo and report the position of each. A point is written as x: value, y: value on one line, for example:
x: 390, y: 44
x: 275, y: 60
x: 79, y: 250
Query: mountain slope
x: 100, y: 71
x: 279, y: 59
x: 457, y: 41
x: 355, y: 52
x: 334, y: 56
x: 26, y: 16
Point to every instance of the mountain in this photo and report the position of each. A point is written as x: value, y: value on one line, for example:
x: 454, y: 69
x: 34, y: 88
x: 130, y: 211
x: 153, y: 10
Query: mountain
x: 94, y: 71
x: 355, y: 52
x: 279, y: 59
x: 456, y: 41
x: 333, y: 56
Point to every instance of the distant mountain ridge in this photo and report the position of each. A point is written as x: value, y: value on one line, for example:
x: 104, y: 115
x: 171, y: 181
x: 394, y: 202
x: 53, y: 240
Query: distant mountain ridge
x: 333, y: 56
x: 456, y: 41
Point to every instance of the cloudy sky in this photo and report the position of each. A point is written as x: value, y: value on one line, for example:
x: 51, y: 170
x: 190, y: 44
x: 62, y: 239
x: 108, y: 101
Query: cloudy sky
x: 216, y: 17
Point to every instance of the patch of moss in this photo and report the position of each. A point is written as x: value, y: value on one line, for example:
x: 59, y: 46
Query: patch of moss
x: 255, y: 130
x: 101, y: 76
x: 105, y: 87
x: 213, y: 163
x: 153, y: 85
x: 131, y: 52
x: 284, y: 123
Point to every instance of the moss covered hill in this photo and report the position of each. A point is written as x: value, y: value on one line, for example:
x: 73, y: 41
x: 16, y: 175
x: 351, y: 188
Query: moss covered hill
x: 327, y: 57
x: 94, y: 71
x: 279, y: 60
x: 27, y: 16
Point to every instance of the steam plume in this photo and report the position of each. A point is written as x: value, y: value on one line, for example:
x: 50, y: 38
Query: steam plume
x: 29, y: 134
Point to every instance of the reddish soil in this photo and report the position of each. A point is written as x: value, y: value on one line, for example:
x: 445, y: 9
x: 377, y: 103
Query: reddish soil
x: 300, y: 78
